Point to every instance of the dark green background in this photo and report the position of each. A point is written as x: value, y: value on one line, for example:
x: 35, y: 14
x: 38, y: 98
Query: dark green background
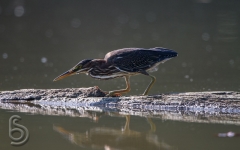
x: 205, y: 33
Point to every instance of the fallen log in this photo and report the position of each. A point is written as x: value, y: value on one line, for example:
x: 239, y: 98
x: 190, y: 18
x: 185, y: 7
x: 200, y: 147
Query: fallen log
x: 51, y: 94
x: 208, y: 107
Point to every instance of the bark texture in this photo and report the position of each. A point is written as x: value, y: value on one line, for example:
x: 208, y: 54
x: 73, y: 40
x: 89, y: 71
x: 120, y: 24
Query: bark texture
x: 211, y: 107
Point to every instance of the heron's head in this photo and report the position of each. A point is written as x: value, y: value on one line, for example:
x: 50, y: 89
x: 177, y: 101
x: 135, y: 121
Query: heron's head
x: 82, y: 67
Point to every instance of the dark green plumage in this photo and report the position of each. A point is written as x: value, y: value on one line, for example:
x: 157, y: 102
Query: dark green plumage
x: 123, y: 63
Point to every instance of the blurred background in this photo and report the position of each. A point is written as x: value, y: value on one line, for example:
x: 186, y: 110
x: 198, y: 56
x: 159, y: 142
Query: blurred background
x: 40, y: 39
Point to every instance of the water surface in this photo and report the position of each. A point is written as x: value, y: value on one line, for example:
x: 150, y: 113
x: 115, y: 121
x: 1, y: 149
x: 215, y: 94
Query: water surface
x: 99, y: 130
x: 41, y: 39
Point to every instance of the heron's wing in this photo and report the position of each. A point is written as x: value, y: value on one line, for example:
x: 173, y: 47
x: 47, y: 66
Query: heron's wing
x: 137, y: 60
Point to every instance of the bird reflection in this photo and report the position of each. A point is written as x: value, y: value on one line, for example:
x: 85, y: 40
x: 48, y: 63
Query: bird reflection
x: 115, y: 139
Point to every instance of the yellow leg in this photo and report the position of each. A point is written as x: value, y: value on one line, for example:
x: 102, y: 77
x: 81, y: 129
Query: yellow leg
x: 152, y: 125
x: 150, y: 85
x: 116, y: 92
x: 126, y: 127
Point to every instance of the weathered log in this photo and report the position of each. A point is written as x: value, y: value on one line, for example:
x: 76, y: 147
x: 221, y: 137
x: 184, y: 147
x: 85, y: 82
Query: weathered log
x: 212, y: 107
x: 50, y: 94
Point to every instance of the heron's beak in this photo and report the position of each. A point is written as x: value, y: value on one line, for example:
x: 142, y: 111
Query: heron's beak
x: 64, y: 75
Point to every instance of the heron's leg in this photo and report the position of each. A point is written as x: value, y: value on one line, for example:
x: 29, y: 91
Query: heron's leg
x: 150, y: 85
x: 126, y: 127
x: 152, y: 125
x: 117, y: 92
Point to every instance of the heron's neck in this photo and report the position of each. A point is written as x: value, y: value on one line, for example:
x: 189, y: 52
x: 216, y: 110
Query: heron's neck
x: 99, y: 63
x: 101, y: 69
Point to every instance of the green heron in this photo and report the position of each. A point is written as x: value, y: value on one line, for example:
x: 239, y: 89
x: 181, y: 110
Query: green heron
x: 123, y: 63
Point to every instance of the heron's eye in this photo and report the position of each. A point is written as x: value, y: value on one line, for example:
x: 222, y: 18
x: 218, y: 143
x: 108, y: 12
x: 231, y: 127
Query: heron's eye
x: 79, y: 66
x: 76, y: 68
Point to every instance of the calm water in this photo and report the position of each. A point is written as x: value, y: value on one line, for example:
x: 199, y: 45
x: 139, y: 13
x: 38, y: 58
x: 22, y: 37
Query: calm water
x: 41, y: 39
x: 104, y: 131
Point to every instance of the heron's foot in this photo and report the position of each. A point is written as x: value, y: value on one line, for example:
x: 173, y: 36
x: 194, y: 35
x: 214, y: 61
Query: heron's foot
x: 96, y: 87
x: 113, y: 94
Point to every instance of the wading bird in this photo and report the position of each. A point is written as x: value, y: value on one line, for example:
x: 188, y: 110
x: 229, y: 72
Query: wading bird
x: 123, y: 63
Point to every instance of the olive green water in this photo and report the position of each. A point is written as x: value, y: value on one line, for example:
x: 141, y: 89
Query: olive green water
x: 41, y: 39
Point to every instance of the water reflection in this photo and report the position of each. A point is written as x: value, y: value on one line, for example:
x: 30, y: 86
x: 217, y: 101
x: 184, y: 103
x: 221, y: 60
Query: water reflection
x: 111, y: 138
x: 97, y: 128
x: 95, y: 113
